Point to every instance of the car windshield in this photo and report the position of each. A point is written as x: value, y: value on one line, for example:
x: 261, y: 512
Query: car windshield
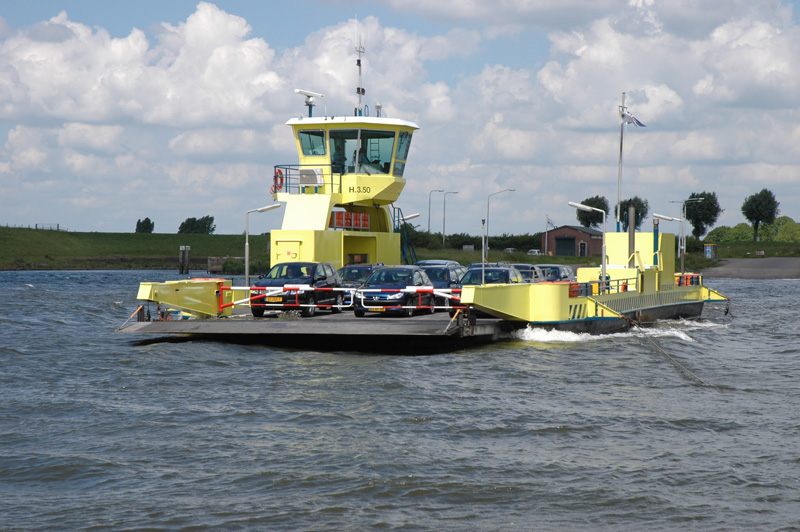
x: 438, y: 274
x: 552, y: 274
x: 354, y: 274
x: 398, y: 277
x: 290, y: 270
x: 492, y: 277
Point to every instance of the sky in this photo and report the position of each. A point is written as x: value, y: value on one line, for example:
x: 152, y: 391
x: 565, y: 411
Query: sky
x: 111, y: 112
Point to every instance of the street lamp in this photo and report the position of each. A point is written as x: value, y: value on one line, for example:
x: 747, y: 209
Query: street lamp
x: 587, y: 208
x: 247, y: 238
x: 429, y: 207
x: 683, y: 217
x: 487, y: 212
x: 444, y: 204
x: 667, y: 218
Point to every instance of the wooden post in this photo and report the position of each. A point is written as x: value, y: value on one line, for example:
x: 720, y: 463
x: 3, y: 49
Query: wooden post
x: 183, y: 260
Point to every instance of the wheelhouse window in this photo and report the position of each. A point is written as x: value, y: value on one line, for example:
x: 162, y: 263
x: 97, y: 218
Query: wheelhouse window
x: 312, y: 142
x: 344, y: 150
x: 375, y: 153
x: 403, y: 145
x: 361, y: 151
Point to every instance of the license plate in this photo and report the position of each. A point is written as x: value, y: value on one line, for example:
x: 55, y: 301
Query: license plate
x: 273, y: 299
x: 376, y: 309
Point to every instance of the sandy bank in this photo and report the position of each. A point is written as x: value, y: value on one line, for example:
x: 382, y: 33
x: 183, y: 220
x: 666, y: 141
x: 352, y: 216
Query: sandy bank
x: 756, y: 268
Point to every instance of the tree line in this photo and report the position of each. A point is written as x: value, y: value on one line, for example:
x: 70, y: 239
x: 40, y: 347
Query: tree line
x: 700, y: 209
x: 199, y: 226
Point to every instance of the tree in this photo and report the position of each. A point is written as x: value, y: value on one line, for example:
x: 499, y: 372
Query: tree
x: 789, y: 232
x: 760, y: 208
x: 769, y: 232
x: 145, y: 226
x: 594, y: 218
x: 203, y: 226
x: 642, y: 208
x: 702, y: 214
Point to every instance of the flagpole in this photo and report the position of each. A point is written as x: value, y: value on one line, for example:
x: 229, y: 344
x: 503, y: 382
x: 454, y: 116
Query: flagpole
x: 619, y: 169
x: 546, y: 228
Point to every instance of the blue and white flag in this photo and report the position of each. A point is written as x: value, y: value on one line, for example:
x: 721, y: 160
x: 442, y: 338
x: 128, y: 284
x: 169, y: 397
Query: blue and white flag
x: 550, y: 222
x: 626, y: 118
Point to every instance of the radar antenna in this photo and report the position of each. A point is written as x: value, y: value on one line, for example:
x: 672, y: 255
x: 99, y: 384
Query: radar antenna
x: 309, y: 98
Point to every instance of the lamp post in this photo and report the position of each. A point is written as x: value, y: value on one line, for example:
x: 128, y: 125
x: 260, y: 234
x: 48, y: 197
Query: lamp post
x: 669, y: 219
x: 429, y: 207
x: 487, y: 212
x: 682, y: 245
x: 247, y: 238
x: 587, y: 208
x: 444, y: 204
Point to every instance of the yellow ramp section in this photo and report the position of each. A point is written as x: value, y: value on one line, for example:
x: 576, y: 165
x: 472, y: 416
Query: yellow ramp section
x: 200, y: 297
x: 521, y: 302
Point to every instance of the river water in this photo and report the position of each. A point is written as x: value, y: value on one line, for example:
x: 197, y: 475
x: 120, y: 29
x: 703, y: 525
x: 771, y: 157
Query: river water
x: 547, y: 431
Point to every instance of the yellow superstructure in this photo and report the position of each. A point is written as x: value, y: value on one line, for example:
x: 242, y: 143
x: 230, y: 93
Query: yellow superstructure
x: 647, y: 290
x: 338, y: 197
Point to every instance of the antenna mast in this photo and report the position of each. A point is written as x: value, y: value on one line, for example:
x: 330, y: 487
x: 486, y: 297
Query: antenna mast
x: 360, y: 89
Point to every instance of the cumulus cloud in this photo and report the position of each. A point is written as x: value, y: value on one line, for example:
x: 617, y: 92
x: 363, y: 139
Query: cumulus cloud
x: 200, y: 104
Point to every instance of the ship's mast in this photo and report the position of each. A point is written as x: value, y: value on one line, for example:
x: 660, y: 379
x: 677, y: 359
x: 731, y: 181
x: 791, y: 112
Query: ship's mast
x: 360, y: 89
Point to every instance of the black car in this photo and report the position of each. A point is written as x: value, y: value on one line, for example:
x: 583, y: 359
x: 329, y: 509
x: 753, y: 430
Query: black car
x: 313, y: 274
x: 383, y: 292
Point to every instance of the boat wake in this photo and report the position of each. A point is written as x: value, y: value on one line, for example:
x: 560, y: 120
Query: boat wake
x: 664, y: 329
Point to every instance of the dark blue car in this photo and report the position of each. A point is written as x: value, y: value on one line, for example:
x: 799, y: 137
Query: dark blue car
x: 382, y: 292
x: 444, y: 276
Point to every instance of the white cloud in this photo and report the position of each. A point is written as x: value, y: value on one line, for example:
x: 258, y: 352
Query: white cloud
x: 201, y: 104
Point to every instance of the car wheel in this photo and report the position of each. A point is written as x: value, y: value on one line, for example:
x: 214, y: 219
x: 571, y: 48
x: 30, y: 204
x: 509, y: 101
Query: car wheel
x: 258, y: 312
x: 337, y: 305
x: 311, y: 309
x: 431, y: 304
x: 359, y: 313
x: 407, y: 312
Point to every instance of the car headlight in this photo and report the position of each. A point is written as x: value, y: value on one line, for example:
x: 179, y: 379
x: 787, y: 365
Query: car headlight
x: 398, y: 295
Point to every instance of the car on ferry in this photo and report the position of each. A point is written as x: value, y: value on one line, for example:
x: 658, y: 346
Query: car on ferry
x: 316, y: 275
x: 528, y: 272
x: 548, y: 272
x: 437, y: 262
x: 444, y: 276
x: 384, y: 292
x: 354, y: 275
x: 489, y: 275
x: 558, y: 272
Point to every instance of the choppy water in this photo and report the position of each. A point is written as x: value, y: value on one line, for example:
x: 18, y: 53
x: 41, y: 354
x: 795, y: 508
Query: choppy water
x: 545, y: 432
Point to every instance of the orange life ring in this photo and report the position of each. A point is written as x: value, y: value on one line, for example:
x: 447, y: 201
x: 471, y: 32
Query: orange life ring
x: 277, y: 181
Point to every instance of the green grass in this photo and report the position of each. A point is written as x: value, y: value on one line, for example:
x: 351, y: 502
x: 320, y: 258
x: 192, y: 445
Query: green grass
x: 22, y: 249
x: 31, y: 249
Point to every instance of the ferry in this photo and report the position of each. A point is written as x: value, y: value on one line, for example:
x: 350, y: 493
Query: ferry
x: 339, y: 208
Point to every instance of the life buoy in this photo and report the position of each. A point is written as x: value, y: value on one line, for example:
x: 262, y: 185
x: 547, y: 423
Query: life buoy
x: 277, y: 181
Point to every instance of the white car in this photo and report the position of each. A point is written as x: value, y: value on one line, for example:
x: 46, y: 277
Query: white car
x: 534, y: 252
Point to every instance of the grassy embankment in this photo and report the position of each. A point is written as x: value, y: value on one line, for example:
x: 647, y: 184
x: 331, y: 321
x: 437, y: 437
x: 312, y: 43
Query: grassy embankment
x: 30, y: 249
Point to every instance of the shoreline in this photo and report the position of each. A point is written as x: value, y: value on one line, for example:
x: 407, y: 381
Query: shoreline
x: 755, y: 268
